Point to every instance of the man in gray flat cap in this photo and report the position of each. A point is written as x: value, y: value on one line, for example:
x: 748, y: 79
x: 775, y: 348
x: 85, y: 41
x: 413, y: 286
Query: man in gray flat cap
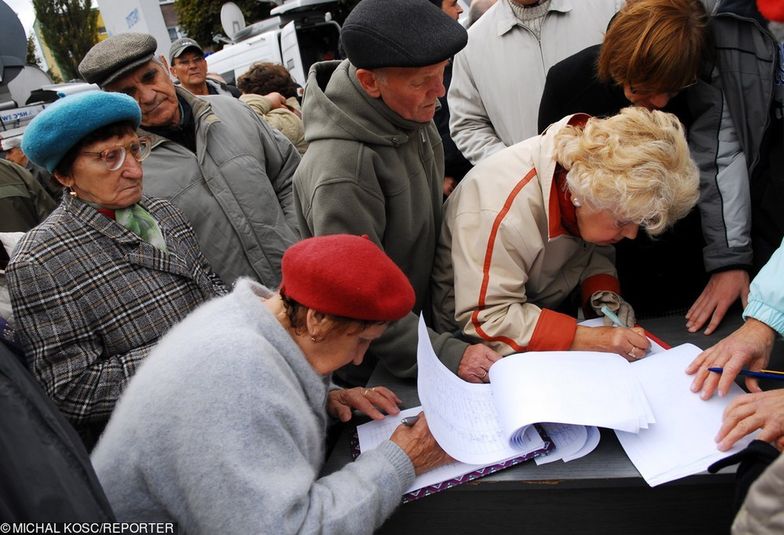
x: 187, y: 64
x: 375, y: 163
x: 212, y: 157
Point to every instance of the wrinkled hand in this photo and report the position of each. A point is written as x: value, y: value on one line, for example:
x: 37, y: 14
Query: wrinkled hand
x: 722, y: 290
x: 371, y: 401
x: 747, y: 413
x: 420, y: 446
x: 476, y: 362
x: 749, y: 346
x: 616, y: 304
x: 449, y: 185
x: 631, y: 344
x: 276, y: 100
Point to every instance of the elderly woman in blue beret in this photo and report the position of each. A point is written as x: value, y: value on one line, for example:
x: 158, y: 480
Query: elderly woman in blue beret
x: 97, y: 283
x: 222, y: 430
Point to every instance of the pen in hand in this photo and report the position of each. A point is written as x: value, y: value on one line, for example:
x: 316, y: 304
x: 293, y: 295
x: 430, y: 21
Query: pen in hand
x: 409, y: 421
x: 613, y: 317
x: 761, y: 374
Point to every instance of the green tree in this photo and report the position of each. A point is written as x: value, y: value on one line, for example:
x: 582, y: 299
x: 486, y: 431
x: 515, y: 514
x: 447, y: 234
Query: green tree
x: 32, y: 57
x: 200, y: 19
x: 70, y: 29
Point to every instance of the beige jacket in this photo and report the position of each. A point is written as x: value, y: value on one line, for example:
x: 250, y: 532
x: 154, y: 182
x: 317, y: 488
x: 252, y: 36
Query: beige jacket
x: 504, y: 259
x: 282, y: 119
x: 762, y: 512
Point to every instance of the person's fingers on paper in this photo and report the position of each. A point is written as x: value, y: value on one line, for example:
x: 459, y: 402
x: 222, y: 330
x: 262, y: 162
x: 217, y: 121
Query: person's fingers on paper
x: 750, y: 412
x: 738, y: 421
x: 749, y: 346
x: 695, y: 364
x: 419, y: 444
x: 476, y: 362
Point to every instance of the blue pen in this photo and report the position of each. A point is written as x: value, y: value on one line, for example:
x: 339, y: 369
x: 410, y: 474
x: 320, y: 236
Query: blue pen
x: 610, y: 314
x: 762, y: 374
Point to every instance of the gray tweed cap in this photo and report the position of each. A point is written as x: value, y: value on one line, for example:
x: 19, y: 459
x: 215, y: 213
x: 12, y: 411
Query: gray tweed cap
x: 117, y: 56
x: 400, y: 33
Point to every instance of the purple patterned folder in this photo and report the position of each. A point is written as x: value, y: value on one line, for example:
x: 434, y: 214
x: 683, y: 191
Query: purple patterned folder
x: 465, y: 478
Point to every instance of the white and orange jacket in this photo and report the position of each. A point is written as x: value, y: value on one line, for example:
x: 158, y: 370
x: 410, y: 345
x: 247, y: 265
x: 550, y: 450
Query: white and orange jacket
x: 504, y: 260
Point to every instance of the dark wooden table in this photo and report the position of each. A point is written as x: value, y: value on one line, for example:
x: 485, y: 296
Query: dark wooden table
x: 601, y: 493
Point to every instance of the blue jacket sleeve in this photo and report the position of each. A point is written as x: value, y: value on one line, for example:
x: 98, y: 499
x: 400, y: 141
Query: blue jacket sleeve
x: 766, y: 299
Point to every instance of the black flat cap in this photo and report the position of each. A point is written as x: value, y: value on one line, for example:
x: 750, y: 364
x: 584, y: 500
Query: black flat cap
x: 117, y: 56
x: 400, y: 33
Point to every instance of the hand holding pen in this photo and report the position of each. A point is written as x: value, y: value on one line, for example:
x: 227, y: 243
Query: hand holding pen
x: 748, y: 347
x: 630, y: 343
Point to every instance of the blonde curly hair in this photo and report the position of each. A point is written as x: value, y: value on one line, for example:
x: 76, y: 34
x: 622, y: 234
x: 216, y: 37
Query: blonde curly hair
x: 635, y: 164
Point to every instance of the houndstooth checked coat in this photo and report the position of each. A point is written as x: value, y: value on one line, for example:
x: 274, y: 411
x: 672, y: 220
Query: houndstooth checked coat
x: 91, y: 299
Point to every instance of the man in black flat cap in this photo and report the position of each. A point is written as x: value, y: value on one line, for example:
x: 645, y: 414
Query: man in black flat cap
x: 212, y: 156
x: 375, y: 164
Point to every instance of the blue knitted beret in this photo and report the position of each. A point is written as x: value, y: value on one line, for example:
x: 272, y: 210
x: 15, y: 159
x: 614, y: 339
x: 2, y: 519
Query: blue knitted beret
x: 54, y: 131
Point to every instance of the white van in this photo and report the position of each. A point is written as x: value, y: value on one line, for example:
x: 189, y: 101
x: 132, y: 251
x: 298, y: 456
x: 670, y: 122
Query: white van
x: 301, y: 33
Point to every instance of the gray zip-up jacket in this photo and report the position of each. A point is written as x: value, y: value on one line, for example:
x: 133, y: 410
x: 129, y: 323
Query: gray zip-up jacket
x: 369, y: 171
x: 747, y: 56
x: 235, y: 191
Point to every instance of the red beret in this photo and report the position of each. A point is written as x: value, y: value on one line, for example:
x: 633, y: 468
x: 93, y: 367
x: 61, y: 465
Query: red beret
x: 347, y: 276
x: 772, y: 9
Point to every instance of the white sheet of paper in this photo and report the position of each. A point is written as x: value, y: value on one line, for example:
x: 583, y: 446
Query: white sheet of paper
x: 585, y: 388
x: 590, y: 444
x: 461, y: 415
x: 371, y: 434
x: 681, y: 442
x: 568, y: 440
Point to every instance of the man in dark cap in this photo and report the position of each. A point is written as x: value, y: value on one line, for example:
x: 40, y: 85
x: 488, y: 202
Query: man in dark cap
x: 212, y: 157
x: 375, y: 164
x: 187, y: 64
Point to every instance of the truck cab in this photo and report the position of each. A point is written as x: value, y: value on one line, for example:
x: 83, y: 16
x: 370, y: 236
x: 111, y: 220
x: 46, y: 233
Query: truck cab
x: 300, y: 33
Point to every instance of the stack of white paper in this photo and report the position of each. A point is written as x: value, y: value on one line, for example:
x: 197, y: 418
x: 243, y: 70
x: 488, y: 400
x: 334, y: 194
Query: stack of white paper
x: 371, y: 434
x: 571, y: 442
x: 681, y: 442
x: 665, y: 429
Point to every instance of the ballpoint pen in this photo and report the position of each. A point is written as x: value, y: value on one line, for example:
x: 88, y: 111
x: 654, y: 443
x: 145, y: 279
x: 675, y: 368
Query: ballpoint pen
x: 610, y: 314
x: 761, y: 374
x: 409, y: 421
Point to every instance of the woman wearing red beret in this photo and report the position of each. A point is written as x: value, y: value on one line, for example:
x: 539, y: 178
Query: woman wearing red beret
x: 223, y: 428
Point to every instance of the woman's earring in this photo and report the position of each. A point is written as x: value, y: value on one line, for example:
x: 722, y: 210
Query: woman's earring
x: 576, y: 202
x: 315, y: 340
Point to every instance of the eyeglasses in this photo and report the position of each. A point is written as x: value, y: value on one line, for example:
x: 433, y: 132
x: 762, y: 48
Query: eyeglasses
x: 669, y: 92
x: 114, y: 158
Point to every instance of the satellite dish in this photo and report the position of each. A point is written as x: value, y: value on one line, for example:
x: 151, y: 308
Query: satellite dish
x: 232, y: 19
x: 13, y: 44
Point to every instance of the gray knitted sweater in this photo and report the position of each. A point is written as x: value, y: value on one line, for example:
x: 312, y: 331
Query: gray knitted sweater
x: 222, y: 431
